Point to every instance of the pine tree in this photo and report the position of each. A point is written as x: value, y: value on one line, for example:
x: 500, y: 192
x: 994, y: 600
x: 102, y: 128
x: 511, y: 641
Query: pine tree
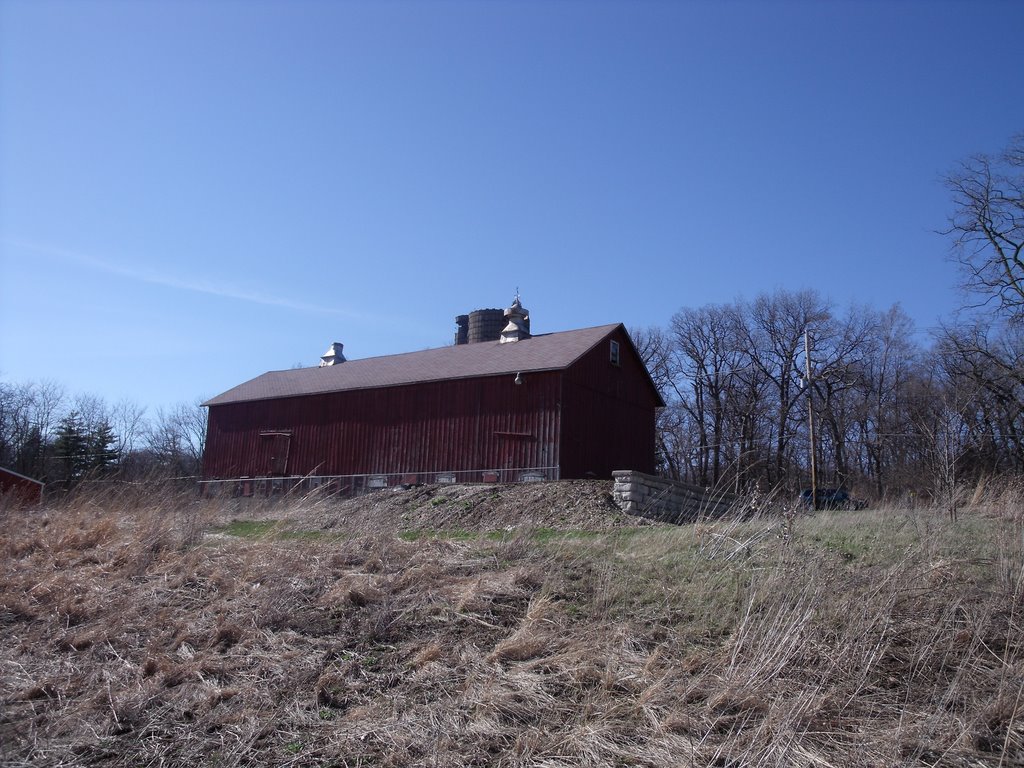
x: 102, y: 448
x: 71, y: 448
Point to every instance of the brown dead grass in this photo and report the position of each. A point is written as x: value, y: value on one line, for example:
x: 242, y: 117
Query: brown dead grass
x: 471, y: 507
x: 881, y: 639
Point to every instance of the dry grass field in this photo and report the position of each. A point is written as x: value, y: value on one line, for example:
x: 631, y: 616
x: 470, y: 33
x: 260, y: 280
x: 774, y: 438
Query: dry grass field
x: 507, y: 627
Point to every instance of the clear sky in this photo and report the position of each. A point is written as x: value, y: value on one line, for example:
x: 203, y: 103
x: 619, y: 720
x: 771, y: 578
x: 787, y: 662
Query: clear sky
x: 192, y: 193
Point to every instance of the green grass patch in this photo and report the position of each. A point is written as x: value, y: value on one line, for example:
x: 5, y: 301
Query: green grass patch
x: 248, y: 529
x: 274, y: 529
x: 847, y: 544
x: 538, y: 535
x: 456, y: 534
x: 549, y: 535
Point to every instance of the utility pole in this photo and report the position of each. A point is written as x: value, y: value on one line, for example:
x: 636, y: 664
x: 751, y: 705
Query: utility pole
x: 810, y: 420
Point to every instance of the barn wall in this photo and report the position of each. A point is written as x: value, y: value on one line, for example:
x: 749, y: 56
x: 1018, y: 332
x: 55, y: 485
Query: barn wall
x: 466, y: 424
x: 608, y: 413
x: 19, y: 488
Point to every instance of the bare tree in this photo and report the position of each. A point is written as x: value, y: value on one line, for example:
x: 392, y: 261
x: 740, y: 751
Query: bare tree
x: 837, y: 370
x: 671, y: 427
x: 941, y: 418
x: 987, y: 360
x: 15, y: 422
x: 888, y: 366
x: 49, y: 403
x: 707, y: 357
x: 92, y: 411
x: 775, y: 337
x: 127, y: 418
x: 177, y: 438
x: 987, y: 226
x: 29, y: 414
x: 654, y: 349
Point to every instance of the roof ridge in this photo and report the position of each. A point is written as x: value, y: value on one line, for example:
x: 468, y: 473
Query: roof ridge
x: 445, y: 346
x: 557, y: 350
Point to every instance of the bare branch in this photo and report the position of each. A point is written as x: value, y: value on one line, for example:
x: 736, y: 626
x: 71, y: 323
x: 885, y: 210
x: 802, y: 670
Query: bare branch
x: 987, y: 226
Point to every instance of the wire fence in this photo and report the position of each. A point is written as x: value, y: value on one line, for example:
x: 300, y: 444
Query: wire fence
x: 355, y: 485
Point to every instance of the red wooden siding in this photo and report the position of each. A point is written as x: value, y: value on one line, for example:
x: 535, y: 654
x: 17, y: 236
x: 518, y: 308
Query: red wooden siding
x: 464, y: 424
x: 19, y: 488
x: 608, y: 413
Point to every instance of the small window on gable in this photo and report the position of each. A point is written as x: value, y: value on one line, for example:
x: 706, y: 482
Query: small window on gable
x: 613, y: 353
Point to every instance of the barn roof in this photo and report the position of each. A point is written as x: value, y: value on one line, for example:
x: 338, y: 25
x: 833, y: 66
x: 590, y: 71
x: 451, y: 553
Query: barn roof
x: 19, y: 476
x: 545, y: 352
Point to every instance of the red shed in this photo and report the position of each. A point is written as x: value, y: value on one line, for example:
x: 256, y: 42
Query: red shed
x: 563, y: 405
x: 18, y: 487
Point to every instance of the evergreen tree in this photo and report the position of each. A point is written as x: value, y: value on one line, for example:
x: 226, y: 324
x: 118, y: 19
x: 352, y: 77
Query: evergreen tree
x: 102, y: 447
x: 72, y: 448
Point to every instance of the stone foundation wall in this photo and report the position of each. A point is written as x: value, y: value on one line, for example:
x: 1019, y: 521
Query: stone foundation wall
x: 667, y: 501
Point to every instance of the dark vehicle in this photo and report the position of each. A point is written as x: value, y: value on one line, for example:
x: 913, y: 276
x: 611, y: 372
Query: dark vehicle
x: 827, y: 498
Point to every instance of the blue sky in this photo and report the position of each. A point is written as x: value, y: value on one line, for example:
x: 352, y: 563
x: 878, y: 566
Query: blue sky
x: 192, y: 193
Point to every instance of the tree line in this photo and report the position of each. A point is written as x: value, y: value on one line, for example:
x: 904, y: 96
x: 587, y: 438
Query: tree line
x: 63, y: 439
x: 746, y: 382
x: 749, y: 382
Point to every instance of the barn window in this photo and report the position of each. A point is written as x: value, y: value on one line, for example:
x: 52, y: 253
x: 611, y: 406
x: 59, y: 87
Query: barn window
x: 613, y: 353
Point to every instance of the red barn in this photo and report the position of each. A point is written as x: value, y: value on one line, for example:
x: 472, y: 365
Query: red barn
x: 574, y: 404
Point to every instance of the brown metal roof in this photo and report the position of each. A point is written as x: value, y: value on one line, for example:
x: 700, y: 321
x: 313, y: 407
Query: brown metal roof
x: 551, y: 351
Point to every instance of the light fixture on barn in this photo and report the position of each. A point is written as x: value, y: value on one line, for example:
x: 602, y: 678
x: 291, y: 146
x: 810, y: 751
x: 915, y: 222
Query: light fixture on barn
x: 519, y: 378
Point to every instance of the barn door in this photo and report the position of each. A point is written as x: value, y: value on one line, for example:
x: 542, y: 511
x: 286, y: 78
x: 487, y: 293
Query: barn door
x: 280, y: 444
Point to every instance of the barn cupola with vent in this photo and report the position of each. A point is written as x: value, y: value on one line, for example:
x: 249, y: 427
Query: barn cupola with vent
x: 517, y: 325
x: 333, y: 355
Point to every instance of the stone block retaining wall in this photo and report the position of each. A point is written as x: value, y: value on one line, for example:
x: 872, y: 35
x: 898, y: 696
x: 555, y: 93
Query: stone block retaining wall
x: 667, y: 501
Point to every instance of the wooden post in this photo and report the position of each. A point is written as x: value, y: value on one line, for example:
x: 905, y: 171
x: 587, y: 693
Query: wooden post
x: 810, y: 421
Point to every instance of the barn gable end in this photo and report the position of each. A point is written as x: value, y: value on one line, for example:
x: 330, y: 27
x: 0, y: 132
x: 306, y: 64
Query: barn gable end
x: 609, y: 407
